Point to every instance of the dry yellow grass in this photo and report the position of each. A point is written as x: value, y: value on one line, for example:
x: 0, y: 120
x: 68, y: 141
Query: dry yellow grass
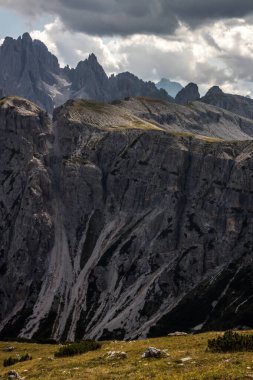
x: 203, y: 365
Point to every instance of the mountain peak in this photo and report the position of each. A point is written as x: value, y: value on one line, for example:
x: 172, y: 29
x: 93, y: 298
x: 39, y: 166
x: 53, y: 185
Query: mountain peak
x: 214, y: 91
x: 8, y: 41
x: 192, y: 85
x: 26, y: 37
x: 171, y: 87
x: 190, y: 93
x: 92, y: 58
x: 37, y: 76
x: 165, y: 80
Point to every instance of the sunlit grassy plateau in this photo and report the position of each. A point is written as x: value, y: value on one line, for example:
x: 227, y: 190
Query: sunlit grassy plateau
x: 188, y: 358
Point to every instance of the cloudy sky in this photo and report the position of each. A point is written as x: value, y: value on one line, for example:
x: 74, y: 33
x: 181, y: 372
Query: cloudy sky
x: 205, y: 41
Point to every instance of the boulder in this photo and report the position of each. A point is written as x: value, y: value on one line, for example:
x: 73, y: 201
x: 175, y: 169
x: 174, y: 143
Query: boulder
x: 116, y: 355
x: 8, y: 349
x: 153, y: 352
x: 14, y: 375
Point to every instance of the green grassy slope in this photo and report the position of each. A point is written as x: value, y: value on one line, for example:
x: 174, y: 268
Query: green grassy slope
x: 187, y: 358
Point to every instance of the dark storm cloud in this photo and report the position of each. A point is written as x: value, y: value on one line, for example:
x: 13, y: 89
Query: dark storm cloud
x: 126, y: 17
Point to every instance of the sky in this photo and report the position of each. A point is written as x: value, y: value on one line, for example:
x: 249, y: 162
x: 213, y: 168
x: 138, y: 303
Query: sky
x: 208, y: 42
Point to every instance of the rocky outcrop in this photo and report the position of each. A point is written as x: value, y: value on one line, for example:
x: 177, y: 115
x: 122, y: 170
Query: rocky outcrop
x: 237, y: 104
x: 113, y: 226
x: 12, y: 375
x: 153, y: 352
x: 125, y: 85
x: 28, y: 69
x: 188, y: 94
x: 215, y: 90
x: 89, y: 81
x: 172, y: 88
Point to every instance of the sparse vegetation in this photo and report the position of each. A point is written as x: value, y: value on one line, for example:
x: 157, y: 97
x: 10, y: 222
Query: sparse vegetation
x: 17, y: 359
x: 77, y: 348
x: 76, y: 160
x: 188, y: 359
x: 231, y: 342
x: 80, y: 104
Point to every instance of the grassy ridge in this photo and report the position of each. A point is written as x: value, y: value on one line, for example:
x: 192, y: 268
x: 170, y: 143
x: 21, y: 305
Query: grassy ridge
x: 188, y: 358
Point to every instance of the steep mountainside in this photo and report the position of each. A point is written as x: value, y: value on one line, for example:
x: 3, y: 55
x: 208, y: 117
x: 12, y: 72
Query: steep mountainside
x: 28, y: 69
x: 172, y: 88
x: 89, y: 80
x: 26, y: 223
x: 113, y: 226
x: 197, y: 118
x: 240, y: 105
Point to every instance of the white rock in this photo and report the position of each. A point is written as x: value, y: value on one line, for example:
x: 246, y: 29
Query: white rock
x: 8, y: 349
x: 153, y: 352
x: 178, y: 333
x: 187, y: 359
x: 116, y: 355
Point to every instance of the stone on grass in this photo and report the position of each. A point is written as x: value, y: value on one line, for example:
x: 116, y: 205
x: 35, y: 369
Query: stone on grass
x: 153, y: 352
x: 12, y: 375
x: 116, y: 355
x: 8, y: 349
x: 187, y: 359
x: 178, y: 333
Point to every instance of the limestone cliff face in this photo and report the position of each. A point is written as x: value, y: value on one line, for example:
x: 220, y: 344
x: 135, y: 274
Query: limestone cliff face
x: 26, y: 225
x: 121, y: 225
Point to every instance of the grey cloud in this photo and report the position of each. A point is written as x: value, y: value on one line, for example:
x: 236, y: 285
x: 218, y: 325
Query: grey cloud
x: 110, y: 17
x: 175, y: 65
x: 195, y: 11
x: 240, y: 66
x: 210, y: 41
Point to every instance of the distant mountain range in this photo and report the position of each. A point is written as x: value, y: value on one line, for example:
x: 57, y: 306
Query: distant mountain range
x: 172, y: 88
x: 236, y: 104
x: 28, y: 69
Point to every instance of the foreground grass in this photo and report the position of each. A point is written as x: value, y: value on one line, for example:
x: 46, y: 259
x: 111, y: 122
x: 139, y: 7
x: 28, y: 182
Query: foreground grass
x: 200, y: 363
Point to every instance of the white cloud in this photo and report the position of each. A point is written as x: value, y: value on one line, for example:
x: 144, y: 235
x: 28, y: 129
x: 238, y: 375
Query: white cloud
x: 71, y: 47
x: 208, y: 55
